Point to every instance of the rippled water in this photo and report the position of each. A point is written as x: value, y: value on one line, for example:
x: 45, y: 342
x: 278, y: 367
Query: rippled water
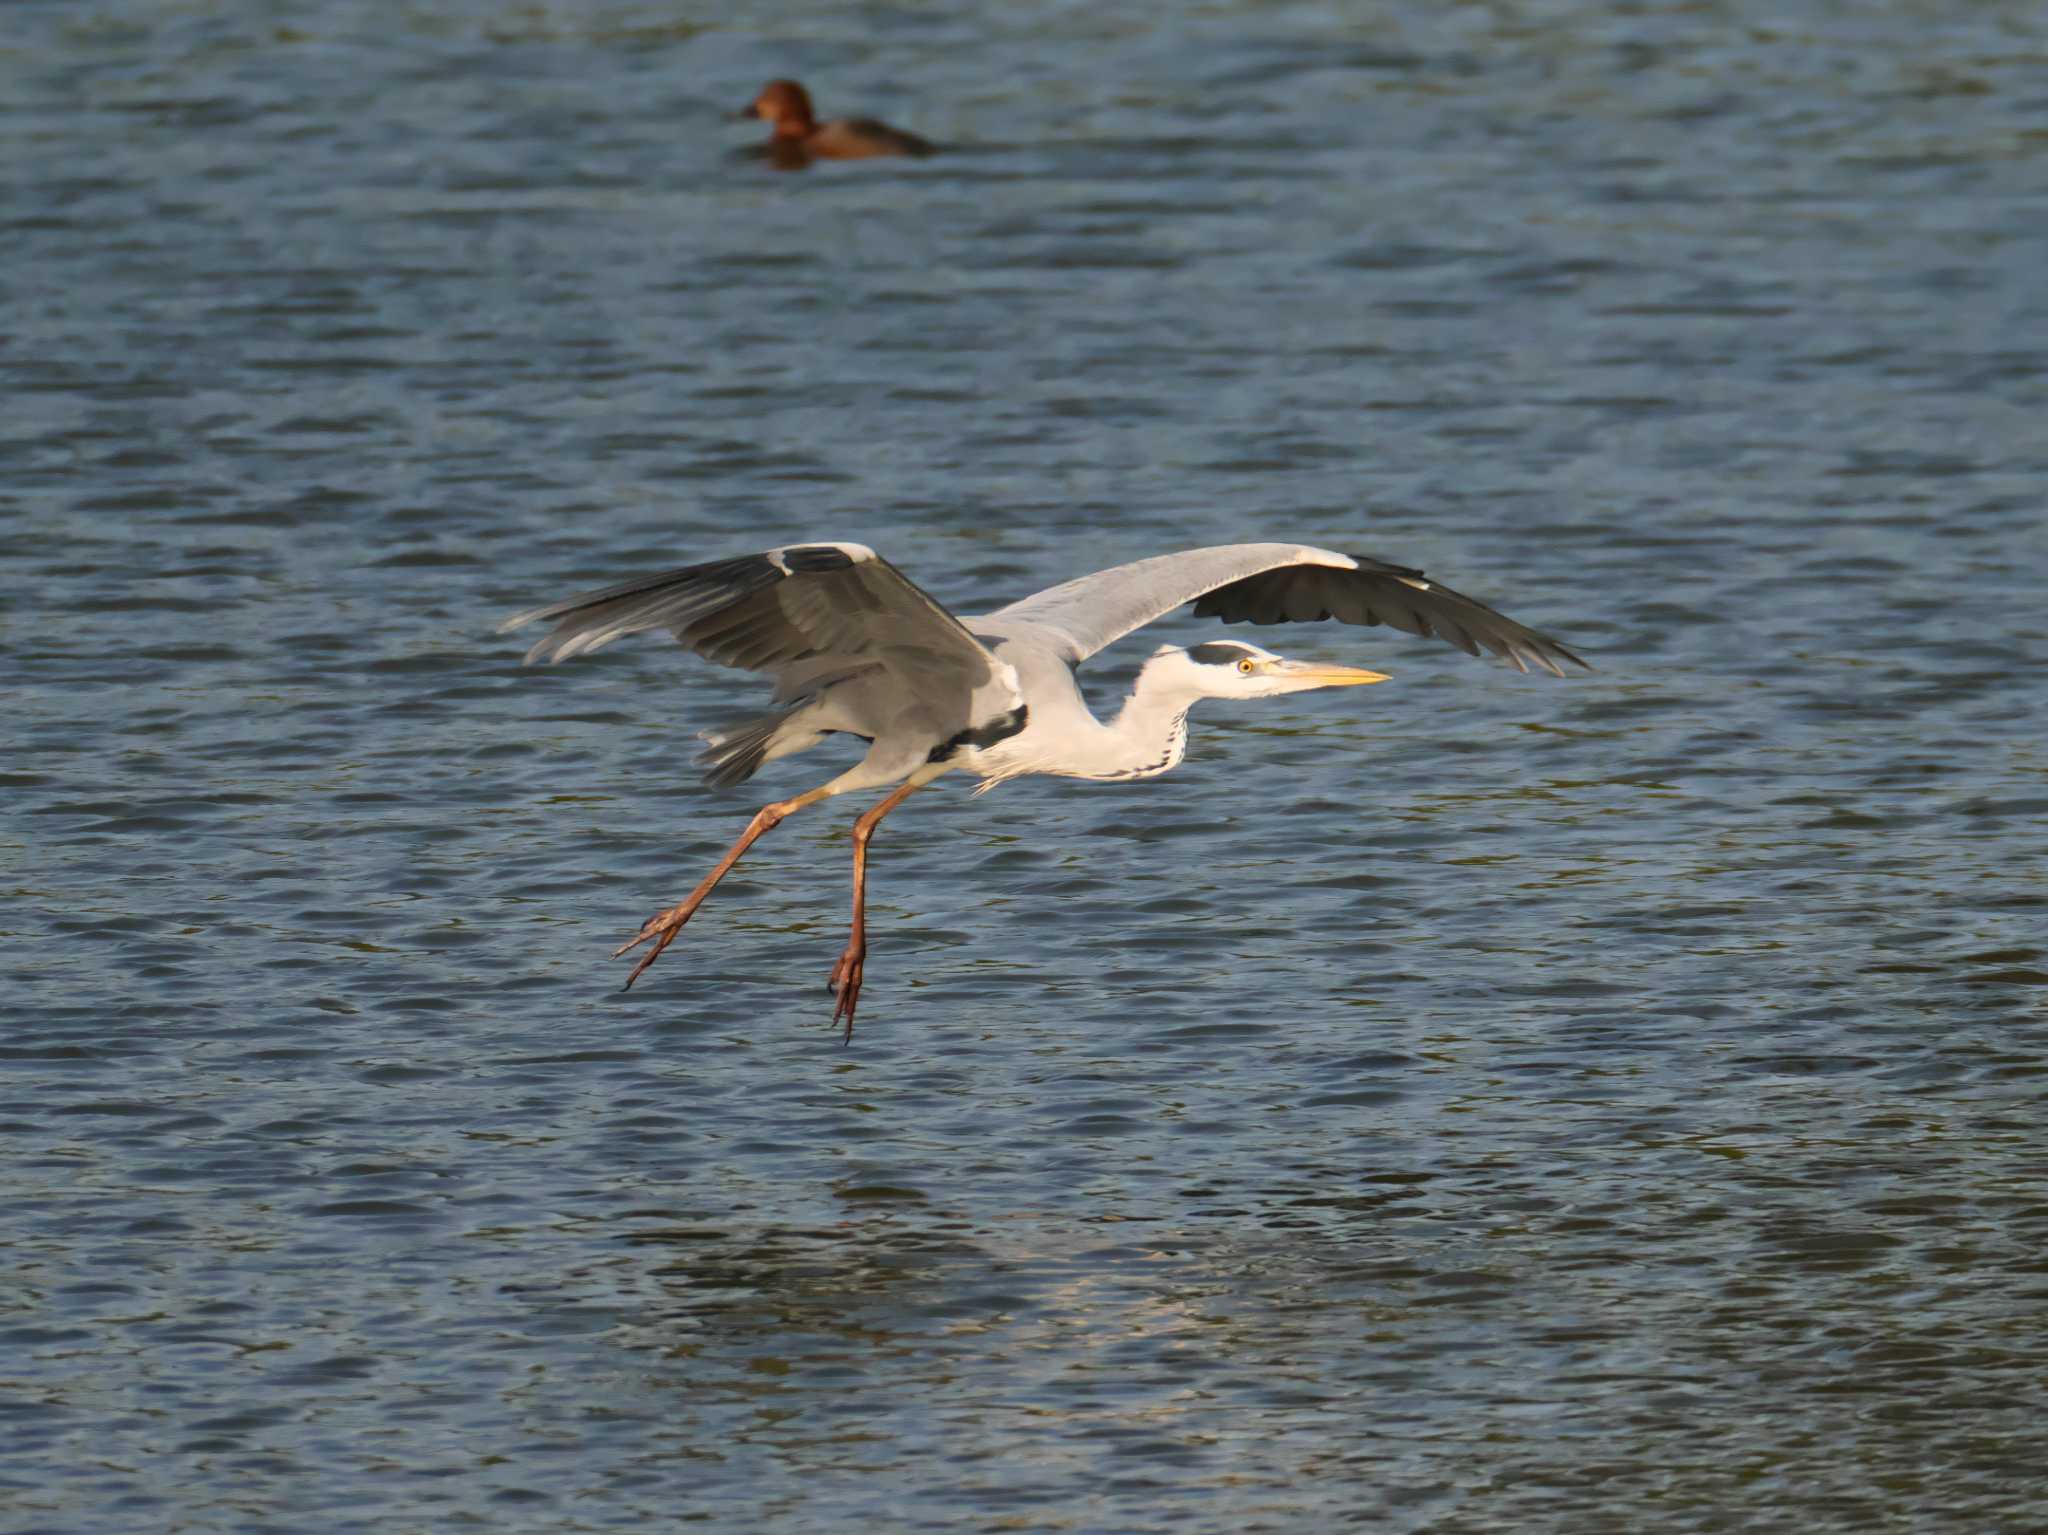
x: 1477, y: 1103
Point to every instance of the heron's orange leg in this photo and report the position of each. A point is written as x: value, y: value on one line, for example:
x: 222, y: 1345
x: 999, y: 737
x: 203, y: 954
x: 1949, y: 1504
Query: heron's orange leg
x: 846, y: 975
x: 663, y: 926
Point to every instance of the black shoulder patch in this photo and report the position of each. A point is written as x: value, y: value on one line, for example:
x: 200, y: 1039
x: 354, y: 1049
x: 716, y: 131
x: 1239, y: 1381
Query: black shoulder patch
x: 815, y: 559
x: 1001, y: 728
x: 1216, y: 653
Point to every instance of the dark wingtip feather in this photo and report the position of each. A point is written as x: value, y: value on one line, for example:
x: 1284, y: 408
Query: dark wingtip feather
x: 1378, y: 592
x: 1550, y: 652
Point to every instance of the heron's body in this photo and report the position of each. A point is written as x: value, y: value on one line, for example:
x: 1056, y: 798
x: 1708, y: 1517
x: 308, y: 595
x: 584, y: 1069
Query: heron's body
x: 991, y: 733
x: 857, y: 650
x: 1061, y: 736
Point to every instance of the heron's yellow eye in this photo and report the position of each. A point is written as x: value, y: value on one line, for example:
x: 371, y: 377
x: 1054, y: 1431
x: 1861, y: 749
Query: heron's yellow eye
x: 1247, y: 666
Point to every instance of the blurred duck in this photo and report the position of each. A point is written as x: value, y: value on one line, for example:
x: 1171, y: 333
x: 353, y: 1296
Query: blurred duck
x: 800, y: 138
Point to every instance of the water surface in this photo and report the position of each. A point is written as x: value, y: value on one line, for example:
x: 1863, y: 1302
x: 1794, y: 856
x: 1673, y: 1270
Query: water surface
x: 1477, y: 1102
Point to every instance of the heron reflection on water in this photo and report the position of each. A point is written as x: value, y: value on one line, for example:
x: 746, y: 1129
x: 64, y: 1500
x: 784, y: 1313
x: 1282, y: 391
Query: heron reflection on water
x: 856, y: 649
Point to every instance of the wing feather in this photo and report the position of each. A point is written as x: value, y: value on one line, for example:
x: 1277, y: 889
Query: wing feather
x: 801, y: 611
x: 1375, y: 592
x: 1273, y: 584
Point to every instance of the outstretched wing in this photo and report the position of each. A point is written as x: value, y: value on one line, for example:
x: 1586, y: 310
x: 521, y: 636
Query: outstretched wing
x: 804, y: 612
x: 1273, y: 584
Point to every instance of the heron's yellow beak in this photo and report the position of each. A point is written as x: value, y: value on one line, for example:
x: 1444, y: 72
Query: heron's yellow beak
x: 1315, y: 674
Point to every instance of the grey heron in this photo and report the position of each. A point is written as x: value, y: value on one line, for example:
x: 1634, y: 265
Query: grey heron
x: 855, y: 648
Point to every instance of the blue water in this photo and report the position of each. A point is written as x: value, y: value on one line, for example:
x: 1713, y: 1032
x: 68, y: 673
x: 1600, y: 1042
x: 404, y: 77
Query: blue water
x: 1477, y: 1102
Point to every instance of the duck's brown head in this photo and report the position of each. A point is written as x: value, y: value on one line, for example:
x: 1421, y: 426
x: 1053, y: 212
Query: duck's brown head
x: 787, y: 106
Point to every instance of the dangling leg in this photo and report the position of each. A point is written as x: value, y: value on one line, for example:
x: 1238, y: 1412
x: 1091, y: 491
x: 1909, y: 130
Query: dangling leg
x: 845, y: 981
x: 663, y: 926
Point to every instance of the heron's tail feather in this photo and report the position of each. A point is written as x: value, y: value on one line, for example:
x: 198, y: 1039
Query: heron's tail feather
x: 735, y: 754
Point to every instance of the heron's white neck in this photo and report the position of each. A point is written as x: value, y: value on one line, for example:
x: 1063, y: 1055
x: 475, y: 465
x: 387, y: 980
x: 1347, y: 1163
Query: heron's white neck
x: 1149, y: 735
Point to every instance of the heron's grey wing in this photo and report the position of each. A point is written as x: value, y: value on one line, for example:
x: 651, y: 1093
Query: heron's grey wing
x: 1271, y: 584
x: 804, y: 610
x: 1079, y: 617
x: 1375, y: 592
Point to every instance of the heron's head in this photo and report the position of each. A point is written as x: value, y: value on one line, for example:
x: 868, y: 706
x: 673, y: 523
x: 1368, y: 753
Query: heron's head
x: 1234, y: 669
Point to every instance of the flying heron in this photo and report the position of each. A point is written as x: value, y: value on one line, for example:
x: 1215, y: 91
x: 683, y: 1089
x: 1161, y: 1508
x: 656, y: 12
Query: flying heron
x: 857, y: 649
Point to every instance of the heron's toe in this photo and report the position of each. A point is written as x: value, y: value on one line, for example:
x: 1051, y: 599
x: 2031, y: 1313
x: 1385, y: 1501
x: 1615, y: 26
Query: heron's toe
x: 845, y: 986
x: 663, y: 925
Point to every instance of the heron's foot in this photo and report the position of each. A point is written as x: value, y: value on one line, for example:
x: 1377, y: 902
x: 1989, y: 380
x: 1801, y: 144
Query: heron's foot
x: 845, y: 984
x: 662, y: 927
